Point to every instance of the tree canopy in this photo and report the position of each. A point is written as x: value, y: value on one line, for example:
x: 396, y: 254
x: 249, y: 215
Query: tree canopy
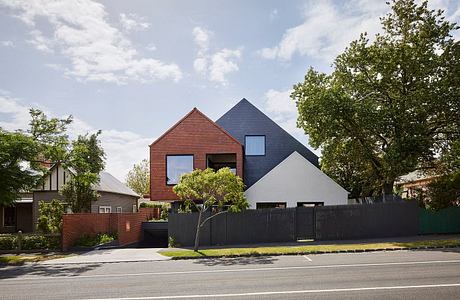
x: 390, y: 106
x: 203, y: 190
x: 23, y: 153
x: 138, y: 178
x: 86, y: 161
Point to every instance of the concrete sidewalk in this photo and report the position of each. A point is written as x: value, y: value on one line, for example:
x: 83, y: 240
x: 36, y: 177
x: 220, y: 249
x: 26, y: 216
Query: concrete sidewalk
x: 110, y: 256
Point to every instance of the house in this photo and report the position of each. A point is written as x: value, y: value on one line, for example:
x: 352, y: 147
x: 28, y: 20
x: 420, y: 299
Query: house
x: 413, y: 183
x: 278, y: 170
x: 114, y: 196
x: 193, y: 142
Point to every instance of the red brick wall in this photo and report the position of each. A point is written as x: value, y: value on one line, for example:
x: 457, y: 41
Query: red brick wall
x: 197, y: 135
x: 128, y: 225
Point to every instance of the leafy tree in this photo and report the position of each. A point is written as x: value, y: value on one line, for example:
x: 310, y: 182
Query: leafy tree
x: 138, y: 178
x: 204, y: 190
x: 86, y: 161
x: 22, y: 154
x: 390, y: 105
x: 50, y: 216
x: 444, y: 191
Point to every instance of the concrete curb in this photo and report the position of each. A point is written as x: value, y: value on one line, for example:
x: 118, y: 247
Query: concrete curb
x: 314, y: 252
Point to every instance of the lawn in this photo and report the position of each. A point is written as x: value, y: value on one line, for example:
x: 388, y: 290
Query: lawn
x: 20, y: 259
x: 310, y: 249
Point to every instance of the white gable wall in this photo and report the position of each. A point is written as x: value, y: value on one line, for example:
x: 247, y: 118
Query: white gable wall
x: 294, y: 180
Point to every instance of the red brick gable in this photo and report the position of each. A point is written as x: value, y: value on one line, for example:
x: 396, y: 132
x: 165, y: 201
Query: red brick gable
x: 194, y: 134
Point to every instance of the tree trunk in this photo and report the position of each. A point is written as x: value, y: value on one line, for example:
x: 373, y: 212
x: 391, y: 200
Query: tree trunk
x: 387, y: 191
x: 197, y: 235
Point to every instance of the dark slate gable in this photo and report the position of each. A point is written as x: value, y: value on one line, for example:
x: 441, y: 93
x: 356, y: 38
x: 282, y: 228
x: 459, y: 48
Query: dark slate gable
x: 246, y: 119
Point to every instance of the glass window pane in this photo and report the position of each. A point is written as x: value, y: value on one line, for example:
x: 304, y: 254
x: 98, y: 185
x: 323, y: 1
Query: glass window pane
x: 176, y: 165
x: 255, y: 145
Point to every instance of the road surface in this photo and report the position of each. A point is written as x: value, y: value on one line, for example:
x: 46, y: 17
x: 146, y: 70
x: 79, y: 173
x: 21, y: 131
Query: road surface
x: 391, y: 275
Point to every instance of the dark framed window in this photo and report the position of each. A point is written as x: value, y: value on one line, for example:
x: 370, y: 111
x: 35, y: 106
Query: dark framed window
x: 9, y: 216
x: 309, y: 204
x: 176, y: 165
x: 262, y: 205
x: 254, y: 145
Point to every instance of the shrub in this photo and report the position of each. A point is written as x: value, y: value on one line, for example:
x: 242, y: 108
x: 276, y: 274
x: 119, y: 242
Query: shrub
x: 7, y: 242
x: 149, y: 205
x: 164, y: 211
x: 50, y: 216
x: 35, y: 242
x: 88, y: 240
x: 30, y: 242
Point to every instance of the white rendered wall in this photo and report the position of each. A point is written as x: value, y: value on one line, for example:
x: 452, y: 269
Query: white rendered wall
x: 294, y: 180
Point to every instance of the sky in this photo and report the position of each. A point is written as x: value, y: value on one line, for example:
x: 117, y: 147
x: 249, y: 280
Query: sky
x: 133, y: 68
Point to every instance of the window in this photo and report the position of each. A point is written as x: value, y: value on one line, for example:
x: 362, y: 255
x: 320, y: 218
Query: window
x: 134, y: 208
x: 9, y: 216
x: 119, y: 210
x: 309, y: 204
x: 261, y: 205
x: 176, y: 165
x: 105, y: 209
x: 254, y: 144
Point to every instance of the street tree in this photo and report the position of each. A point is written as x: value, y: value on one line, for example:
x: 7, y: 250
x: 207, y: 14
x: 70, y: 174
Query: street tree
x: 138, y: 178
x: 24, y: 153
x: 211, y: 191
x: 86, y: 161
x: 390, y: 105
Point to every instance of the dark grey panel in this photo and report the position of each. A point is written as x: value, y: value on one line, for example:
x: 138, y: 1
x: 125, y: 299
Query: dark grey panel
x: 245, y: 119
x: 366, y: 221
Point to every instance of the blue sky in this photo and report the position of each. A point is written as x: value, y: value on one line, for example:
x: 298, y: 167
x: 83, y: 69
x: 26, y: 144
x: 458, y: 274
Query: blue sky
x: 133, y: 68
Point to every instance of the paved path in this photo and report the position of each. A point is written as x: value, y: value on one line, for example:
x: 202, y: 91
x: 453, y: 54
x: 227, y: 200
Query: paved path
x: 110, y: 256
x: 424, y: 274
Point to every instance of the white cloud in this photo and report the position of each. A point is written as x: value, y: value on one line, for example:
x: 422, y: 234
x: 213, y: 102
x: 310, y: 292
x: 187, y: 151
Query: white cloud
x: 13, y: 114
x: 132, y: 22
x: 7, y: 43
x: 282, y: 109
x: 273, y: 14
x: 222, y: 63
x: 329, y: 27
x: 280, y: 102
x: 122, y: 148
x: 151, y: 47
x: 215, y: 66
x: 97, y: 50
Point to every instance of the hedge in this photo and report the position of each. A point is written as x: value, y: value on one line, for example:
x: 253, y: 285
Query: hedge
x: 30, y: 242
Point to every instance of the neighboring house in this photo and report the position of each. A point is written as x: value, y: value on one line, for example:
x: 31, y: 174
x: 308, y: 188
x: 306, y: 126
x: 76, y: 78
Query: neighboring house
x: 278, y: 170
x: 413, y: 183
x: 114, y: 197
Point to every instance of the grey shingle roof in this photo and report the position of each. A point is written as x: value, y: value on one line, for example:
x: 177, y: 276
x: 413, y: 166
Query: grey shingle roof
x: 109, y: 183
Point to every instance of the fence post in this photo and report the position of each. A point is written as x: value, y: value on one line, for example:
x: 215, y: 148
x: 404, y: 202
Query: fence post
x: 19, y: 240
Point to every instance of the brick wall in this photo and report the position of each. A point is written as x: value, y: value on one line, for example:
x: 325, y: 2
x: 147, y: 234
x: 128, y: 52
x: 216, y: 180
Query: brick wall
x: 127, y: 225
x: 195, y: 134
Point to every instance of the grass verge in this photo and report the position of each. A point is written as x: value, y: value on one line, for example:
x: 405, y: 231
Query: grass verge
x: 18, y: 259
x: 313, y: 249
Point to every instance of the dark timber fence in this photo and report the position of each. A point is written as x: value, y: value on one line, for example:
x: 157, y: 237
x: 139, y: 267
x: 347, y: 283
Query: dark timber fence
x: 291, y: 224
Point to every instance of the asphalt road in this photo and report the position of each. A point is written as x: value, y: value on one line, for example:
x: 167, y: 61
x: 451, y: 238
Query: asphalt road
x: 389, y: 275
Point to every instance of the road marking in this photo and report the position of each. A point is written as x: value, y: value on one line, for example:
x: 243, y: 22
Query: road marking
x: 71, y: 276
x: 307, y: 258
x: 376, y: 288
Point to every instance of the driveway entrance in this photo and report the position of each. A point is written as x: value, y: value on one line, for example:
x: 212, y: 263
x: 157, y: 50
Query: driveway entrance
x: 110, y: 256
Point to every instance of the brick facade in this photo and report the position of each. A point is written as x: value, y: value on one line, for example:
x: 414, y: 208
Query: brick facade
x: 127, y: 225
x: 195, y: 134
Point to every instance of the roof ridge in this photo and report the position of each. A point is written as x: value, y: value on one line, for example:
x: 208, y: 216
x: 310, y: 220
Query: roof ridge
x: 185, y: 117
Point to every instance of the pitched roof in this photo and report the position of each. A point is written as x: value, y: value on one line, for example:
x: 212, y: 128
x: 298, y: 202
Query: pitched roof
x: 195, y: 110
x: 245, y: 119
x: 108, y: 183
